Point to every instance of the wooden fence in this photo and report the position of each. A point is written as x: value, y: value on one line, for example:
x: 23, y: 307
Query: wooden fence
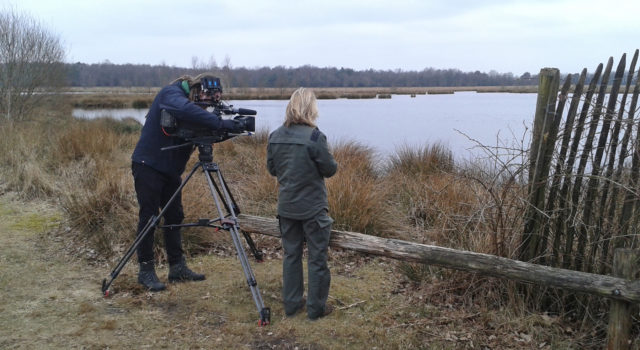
x: 584, y: 167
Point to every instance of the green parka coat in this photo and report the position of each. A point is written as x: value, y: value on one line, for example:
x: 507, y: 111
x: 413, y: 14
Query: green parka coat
x: 299, y: 157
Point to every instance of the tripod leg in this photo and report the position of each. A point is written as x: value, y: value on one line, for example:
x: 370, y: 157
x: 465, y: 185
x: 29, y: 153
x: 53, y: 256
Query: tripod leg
x: 264, y: 312
x: 116, y: 271
x: 234, y: 209
x: 252, y: 245
x: 152, y: 223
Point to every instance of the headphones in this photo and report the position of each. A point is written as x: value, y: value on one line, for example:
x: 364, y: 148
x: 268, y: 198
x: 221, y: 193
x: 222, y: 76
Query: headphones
x: 185, y: 86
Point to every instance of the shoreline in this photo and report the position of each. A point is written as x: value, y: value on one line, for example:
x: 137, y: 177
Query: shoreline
x: 141, y: 97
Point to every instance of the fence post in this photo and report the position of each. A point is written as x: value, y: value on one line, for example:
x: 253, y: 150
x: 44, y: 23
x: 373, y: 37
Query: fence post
x: 549, y: 83
x: 625, y: 265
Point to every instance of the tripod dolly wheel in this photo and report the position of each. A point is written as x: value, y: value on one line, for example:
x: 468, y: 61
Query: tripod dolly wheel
x: 265, y: 317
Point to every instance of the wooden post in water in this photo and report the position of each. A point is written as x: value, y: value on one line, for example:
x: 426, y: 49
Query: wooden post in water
x: 625, y: 265
x: 549, y: 83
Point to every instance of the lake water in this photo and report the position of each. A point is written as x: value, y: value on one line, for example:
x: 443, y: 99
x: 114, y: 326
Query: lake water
x: 460, y: 121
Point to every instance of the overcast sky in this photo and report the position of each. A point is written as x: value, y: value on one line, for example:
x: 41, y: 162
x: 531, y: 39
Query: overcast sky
x: 505, y: 36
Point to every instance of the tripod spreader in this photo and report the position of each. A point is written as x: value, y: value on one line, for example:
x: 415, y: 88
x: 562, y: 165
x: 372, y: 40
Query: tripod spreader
x: 223, y: 224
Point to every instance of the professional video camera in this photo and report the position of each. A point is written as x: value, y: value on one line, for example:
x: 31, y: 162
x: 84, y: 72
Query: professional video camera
x: 208, y: 98
x: 243, y: 120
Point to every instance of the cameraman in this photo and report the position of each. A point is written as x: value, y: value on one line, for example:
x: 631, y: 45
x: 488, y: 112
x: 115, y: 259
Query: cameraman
x: 157, y: 173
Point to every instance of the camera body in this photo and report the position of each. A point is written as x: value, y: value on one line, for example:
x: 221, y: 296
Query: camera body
x: 243, y: 120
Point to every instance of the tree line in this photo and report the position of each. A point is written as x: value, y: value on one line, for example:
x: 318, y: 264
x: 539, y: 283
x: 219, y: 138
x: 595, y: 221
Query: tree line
x: 123, y: 75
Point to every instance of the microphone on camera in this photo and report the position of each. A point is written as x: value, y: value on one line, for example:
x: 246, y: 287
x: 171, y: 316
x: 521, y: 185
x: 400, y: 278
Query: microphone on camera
x: 244, y: 111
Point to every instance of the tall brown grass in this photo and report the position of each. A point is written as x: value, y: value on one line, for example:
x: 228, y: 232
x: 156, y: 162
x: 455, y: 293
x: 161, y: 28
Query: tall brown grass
x: 419, y: 195
x: 81, y: 164
x: 24, y: 160
x: 357, y: 194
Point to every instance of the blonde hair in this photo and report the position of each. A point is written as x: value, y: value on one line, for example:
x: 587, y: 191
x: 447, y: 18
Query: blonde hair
x: 302, y: 108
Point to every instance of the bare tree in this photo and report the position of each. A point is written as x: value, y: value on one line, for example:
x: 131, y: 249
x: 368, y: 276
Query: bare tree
x: 31, y: 64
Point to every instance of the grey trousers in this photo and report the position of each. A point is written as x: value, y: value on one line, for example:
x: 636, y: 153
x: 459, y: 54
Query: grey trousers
x: 316, y: 231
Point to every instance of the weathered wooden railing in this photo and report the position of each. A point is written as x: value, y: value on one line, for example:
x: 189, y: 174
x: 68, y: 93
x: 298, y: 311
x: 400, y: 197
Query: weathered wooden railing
x: 623, y: 290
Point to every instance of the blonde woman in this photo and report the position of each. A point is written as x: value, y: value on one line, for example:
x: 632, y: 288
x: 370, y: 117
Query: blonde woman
x: 298, y: 155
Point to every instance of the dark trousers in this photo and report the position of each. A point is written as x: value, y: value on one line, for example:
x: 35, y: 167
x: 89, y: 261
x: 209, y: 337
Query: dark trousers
x: 316, y: 231
x: 154, y: 189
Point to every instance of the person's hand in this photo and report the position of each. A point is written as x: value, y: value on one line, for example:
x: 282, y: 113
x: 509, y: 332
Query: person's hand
x: 233, y: 126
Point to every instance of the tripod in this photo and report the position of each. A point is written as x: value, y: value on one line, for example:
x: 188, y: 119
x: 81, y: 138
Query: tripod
x: 228, y: 222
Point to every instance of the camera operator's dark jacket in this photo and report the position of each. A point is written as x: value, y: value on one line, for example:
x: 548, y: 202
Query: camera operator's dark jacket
x: 299, y: 157
x: 172, y: 162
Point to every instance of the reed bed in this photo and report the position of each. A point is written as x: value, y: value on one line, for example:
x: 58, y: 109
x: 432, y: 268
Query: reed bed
x: 137, y: 97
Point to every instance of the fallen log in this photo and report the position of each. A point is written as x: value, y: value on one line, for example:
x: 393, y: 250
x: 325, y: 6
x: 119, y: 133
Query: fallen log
x: 601, y: 285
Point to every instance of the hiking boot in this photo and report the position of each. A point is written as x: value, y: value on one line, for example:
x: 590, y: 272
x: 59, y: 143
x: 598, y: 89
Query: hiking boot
x: 298, y: 309
x: 148, y: 278
x: 179, y: 272
x: 327, y: 310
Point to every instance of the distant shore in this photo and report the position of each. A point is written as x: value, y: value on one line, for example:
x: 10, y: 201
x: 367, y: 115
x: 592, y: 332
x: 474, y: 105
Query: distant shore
x: 141, y: 97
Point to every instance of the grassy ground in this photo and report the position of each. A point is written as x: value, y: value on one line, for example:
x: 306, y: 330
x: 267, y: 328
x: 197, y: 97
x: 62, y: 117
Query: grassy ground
x: 50, y: 298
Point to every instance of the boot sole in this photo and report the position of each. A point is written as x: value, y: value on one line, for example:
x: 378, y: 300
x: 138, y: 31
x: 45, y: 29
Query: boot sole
x: 153, y: 289
x: 180, y: 280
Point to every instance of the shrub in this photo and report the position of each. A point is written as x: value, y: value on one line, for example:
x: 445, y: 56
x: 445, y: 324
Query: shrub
x: 421, y: 161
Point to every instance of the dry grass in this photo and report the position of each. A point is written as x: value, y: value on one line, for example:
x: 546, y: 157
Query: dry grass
x: 84, y: 168
x: 24, y: 160
x: 100, y: 100
x: 81, y: 164
x: 357, y: 195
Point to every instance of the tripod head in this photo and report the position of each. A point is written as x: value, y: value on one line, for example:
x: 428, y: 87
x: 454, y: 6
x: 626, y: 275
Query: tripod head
x: 205, y: 152
x: 204, y: 145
